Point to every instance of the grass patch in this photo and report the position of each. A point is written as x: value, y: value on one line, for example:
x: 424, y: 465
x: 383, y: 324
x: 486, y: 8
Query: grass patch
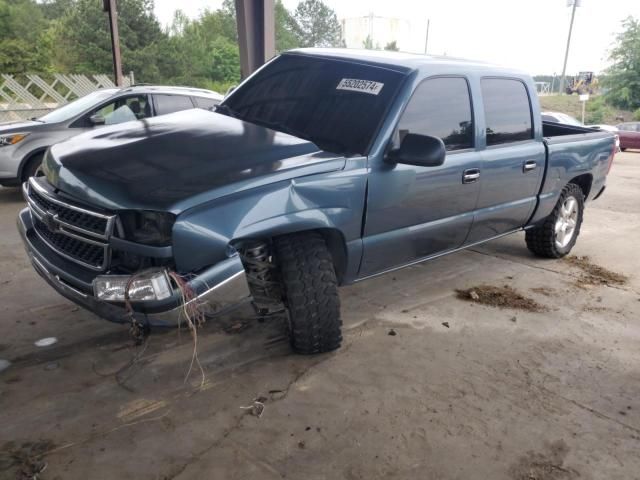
x: 597, y: 111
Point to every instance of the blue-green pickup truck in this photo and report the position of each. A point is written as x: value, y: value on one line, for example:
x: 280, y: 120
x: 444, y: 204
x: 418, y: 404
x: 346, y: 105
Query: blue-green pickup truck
x: 324, y: 168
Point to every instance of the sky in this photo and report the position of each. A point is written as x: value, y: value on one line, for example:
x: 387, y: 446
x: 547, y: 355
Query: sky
x: 529, y: 35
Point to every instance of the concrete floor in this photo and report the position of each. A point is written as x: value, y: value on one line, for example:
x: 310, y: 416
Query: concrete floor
x: 496, y: 394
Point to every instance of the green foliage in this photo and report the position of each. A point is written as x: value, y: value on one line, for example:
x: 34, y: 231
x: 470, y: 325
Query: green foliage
x: 23, y: 43
x: 319, y: 26
x: 623, y: 77
x: 636, y: 115
x: 225, y: 59
x: 288, y: 32
x: 84, y: 45
x: 72, y: 36
x: 597, y: 111
x: 392, y: 46
x: 368, y: 43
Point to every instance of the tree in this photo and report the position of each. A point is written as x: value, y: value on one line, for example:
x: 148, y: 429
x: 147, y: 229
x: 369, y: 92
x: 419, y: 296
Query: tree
x: 288, y: 33
x: 225, y: 61
x: 623, y: 77
x: 84, y: 46
x: 23, y: 47
x: 392, y: 46
x: 368, y: 43
x: 319, y: 26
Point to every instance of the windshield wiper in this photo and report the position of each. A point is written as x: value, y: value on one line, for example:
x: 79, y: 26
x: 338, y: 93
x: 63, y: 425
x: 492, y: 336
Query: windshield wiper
x: 327, y: 144
x: 226, y: 110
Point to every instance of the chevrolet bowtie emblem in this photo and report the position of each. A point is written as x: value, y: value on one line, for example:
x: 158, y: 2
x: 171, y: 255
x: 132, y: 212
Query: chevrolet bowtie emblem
x: 50, y: 221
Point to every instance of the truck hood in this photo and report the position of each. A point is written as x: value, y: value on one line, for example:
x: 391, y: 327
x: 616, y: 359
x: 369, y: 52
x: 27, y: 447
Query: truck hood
x: 174, y: 162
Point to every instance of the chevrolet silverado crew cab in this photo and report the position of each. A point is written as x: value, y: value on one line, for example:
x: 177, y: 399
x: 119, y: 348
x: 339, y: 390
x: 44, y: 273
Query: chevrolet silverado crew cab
x: 323, y: 168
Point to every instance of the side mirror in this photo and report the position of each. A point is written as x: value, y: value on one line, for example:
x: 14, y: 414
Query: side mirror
x: 96, y: 120
x: 419, y: 150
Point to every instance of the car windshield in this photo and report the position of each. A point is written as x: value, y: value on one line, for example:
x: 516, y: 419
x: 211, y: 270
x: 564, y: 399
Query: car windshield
x: 76, y: 107
x: 335, y: 104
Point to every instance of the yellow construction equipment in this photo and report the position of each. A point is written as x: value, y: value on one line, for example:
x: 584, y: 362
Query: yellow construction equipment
x: 584, y: 82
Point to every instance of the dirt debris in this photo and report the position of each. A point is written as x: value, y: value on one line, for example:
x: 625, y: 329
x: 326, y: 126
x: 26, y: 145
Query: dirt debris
x: 502, y: 297
x: 595, y: 274
x: 548, y: 465
x: 24, y: 461
x: 546, y: 291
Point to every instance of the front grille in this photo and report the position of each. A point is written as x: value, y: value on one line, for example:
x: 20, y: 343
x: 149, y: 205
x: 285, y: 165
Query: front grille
x: 73, y: 232
x: 72, y: 216
x: 78, y: 250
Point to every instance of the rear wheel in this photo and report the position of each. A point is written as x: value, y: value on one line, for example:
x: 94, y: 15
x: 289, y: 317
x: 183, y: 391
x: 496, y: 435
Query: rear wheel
x: 558, y: 234
x: 33, y: 167
x: 310, y: 292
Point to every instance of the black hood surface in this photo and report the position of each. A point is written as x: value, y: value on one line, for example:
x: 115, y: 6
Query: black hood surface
x: 161, y: 162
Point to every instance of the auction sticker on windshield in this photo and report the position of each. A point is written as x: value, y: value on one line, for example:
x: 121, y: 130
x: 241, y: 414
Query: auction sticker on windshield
x: 364, y: 86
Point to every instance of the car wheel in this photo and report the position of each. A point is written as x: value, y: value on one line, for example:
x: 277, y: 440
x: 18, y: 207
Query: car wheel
x: 310, y: 292
x: 557, y: 235
x: 33, y: 167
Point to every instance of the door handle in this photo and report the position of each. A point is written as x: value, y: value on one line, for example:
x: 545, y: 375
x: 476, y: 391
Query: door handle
x: 529, y: 165
x: 470, y: 175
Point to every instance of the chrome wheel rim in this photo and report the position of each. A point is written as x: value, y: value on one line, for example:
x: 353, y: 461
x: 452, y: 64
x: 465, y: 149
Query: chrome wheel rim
x: 566, y: 222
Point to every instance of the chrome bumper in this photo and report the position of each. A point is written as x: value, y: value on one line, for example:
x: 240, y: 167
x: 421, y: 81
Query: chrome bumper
x: 218, y: 289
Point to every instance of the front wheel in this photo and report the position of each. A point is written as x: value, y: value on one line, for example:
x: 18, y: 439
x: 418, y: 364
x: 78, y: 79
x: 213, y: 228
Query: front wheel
x: 310, y: 292
x: 33, y: 168
x: 558, y: 234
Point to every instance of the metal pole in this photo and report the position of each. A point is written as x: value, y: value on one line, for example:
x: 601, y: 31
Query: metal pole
x: 584, y: 103
x: 566, y: 53
x: 426, y: 40
x: 256, y: 33
x: 111, y: 7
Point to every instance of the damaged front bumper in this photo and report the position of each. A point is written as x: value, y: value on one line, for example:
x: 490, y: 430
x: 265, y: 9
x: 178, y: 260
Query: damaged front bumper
x: 218, y: 289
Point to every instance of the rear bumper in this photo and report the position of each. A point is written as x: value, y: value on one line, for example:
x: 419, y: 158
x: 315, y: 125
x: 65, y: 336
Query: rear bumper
x: 218, y: 289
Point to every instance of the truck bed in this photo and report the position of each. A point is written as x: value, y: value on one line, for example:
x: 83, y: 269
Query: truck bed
x: 575, y: 153
x: 553, y: 129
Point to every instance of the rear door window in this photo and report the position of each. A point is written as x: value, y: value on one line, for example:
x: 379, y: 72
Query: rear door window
x: 440, y: 107
x: 507, y: 111
x: 171, y: 103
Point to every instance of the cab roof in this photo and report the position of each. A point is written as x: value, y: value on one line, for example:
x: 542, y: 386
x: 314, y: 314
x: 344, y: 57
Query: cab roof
x: 401, y: 61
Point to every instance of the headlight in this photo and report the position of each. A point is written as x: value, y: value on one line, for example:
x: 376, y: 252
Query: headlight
x: 12, y: 138
x: 148, y: 227
x: 143, y: 287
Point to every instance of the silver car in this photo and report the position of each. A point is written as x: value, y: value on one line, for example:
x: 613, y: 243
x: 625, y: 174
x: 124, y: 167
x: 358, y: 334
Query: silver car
x: 23, y: 143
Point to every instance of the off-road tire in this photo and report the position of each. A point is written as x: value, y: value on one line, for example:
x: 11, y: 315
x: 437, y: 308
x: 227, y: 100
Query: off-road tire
x: 310, y: 292
x: 541, y: 240
x: 32, y: 166
x: 623, y: 149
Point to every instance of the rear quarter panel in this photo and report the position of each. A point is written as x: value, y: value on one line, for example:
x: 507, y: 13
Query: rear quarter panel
x: 569, y: 157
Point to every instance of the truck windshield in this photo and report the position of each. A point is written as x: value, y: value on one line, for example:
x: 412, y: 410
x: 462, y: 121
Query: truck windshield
x: 335, y: 104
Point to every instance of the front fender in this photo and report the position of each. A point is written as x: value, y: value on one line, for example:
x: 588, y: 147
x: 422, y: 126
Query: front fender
x: 333, y: 200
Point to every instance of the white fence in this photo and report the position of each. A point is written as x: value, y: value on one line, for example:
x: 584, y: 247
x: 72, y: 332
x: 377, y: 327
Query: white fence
x: 27, y: 96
